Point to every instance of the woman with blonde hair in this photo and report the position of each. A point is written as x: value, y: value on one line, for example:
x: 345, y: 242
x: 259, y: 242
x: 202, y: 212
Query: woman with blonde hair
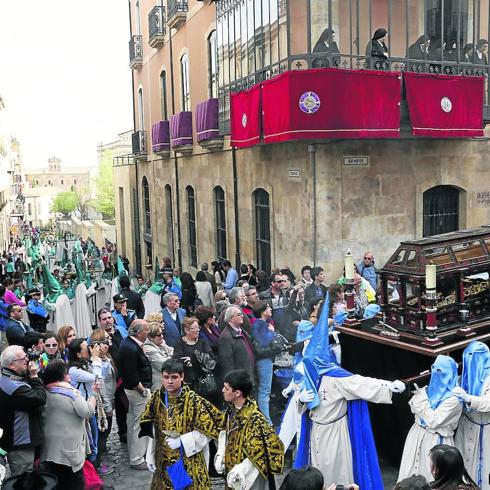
x: 65, y: 336
x: 156, y: 349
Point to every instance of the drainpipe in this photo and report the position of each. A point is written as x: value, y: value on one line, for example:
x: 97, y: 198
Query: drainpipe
x: 137, y: 234
x: 312, y: 158
x: 235, y: 206
x: 176, y: 166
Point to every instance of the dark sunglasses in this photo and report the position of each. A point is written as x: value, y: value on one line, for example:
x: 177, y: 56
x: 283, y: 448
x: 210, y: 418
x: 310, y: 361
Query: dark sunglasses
x: 50, y: 345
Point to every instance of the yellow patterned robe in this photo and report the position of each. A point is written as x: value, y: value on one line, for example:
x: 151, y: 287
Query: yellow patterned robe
x: 249, y: 435
x: 186, y: 412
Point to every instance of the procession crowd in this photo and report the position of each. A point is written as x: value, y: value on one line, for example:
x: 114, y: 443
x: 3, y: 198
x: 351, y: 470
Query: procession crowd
x: 180, y: 377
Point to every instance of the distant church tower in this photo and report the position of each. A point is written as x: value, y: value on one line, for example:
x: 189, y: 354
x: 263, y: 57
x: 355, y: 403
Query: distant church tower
x: 54, y: 165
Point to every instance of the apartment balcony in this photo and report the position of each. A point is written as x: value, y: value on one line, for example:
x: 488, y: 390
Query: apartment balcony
x: 207, y: 130
x: 140, y: 147
x: 123, y: 160
x: 156, y: 26
x: 181, y: 132
x: 177, y: 13
x: 160, y: 138
x: 136, y: 52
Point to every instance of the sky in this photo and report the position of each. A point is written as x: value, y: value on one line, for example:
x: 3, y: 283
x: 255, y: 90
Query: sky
x: 64, y: 77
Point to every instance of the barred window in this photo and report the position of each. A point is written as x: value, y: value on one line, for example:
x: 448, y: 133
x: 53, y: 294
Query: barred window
x: 146, y: 206
x: 262, y: 229
x: 191, y: 217
x: 220, y: 216
x: 441, y: 210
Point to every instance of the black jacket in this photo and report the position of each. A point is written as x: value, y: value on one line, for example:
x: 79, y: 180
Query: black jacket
x: 116, y: 340
x: 21, y: 412
x: 311, y: 292
x: 134, y: 302
x: 134, y: 366
x: 232, y: 353
x: 16, y: 332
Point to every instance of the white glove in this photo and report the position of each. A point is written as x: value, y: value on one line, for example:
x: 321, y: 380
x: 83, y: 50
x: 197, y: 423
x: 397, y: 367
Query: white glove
x: 397, y: 386
x: 235, y: 477
x: 286, y: 391
x: 306, y: 396
x: 219, y: 463
x: 173, y: 442
x: 461, y: 394
x: 151, y: 467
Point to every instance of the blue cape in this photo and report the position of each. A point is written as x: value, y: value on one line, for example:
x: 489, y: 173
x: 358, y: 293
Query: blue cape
x: 443, y: 378
x: 476, y: 367
x: 367, y: 473
x: 36, y: 308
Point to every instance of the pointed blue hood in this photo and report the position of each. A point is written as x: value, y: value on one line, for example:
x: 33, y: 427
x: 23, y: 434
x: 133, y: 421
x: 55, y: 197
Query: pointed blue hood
x: 476, y: 367
x: 444, y: 377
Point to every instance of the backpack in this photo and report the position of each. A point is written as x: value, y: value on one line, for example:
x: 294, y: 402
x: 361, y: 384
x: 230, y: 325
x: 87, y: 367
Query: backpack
x: 4, y: 317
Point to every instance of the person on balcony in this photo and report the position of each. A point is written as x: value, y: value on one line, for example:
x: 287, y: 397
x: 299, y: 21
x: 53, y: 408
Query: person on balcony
x: 377, y: 51
x: 327, y: 46
x: 480, y: 57
x: 419, y: 50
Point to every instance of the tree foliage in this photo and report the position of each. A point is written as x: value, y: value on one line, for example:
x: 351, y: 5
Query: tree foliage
x: 65, y: 203
x: 104, y: 187
x: 84, y: 198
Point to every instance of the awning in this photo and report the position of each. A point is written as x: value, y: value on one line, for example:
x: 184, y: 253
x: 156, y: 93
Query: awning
x: 245, y: 117
x: 331, y: 103
x: 442, y: 106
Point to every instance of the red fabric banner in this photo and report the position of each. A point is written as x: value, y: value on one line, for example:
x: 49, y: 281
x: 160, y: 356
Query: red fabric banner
x: 245, y: 117
x: 331, y: 103
x: 443, y: 106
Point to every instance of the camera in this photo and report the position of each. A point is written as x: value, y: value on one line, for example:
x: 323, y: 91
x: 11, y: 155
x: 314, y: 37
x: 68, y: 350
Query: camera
x: 340, y: 487
x: 33, y: 355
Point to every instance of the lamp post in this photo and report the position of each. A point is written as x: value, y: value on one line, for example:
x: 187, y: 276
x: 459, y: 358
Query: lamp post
x: 430, y: 306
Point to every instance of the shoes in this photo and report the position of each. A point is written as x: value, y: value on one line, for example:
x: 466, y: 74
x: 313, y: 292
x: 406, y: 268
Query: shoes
x: 104, y: 469
x: 141, y: 466
x: 123, y: 438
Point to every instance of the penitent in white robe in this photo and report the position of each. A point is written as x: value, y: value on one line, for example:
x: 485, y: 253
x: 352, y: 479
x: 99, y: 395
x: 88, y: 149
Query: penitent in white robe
x: 330, y: 444
x: 467, y: 438
x: 440, y: 424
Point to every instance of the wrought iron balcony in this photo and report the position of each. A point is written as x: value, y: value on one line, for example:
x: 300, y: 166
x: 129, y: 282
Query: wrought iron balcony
x: 177, y: 13
x: 139, y: 141
x: 136, y: 52
x: 156, y: 26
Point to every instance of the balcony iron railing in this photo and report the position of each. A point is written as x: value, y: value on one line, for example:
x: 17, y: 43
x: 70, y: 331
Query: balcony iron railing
x: 139, y: 144
x: 156, y: 26
x: 136, y: 52
x: 352, y: 62
x: 177, y: 12
x: 123, y: 160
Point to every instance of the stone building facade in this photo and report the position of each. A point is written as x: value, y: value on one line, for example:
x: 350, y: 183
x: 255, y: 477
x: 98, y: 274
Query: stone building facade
x: 294, y: 203
x: 54, y: 176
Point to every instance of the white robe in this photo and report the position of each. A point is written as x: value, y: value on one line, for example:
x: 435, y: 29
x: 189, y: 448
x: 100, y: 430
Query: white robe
x: 440, y: 426
x: 330, y: 446
x: 81, y: 312
x: 152, y: 303
x: 63, y: 314
x: 467, y: 438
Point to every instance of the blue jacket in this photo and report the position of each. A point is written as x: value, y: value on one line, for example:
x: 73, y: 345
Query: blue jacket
x: 172, y: 332
x: 231, y: 280
x: 124, y: 322
x: 16, y: 332
x: 369, y: 273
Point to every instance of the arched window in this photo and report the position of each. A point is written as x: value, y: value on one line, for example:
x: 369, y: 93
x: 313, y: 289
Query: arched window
x: 141, y: 109
x: 169, y: 220
x: 146, y: 206
x: 138, y: 18
x: 184, y: 77
x: 191, y: 220
x: 262, y: 229
x: 441, y: 210
x: 212, y: 65
x: 163, y: 95
x: 61, y: 181
x: 75, y: 181
x: 220, y: 217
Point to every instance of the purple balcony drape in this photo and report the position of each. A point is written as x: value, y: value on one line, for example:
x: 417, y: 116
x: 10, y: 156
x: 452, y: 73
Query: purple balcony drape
x: 207, y: 120
x: 160, y: 137
x: 181, y: 129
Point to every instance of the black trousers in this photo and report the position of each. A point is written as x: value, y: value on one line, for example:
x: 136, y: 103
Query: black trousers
x: 66, y: 477
x: 121, y: 407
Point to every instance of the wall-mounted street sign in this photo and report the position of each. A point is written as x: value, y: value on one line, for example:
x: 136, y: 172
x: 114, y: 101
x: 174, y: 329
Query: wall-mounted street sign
x: 356, y: 161
x: 294, y: 173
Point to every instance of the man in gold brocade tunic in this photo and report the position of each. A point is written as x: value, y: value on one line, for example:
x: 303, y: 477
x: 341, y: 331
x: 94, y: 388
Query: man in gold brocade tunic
x: 249, y: 451
x: 179, y: 420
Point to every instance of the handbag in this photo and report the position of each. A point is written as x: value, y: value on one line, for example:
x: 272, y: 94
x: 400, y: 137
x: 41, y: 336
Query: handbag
x: 275, y: 346
x: 178, y: 474
x: 206, y: 384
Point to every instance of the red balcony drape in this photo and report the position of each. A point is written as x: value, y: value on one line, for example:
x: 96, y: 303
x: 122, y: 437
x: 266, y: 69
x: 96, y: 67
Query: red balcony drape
x: 245, y: 117
x: 443, y: 106
x: 331, y: 103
